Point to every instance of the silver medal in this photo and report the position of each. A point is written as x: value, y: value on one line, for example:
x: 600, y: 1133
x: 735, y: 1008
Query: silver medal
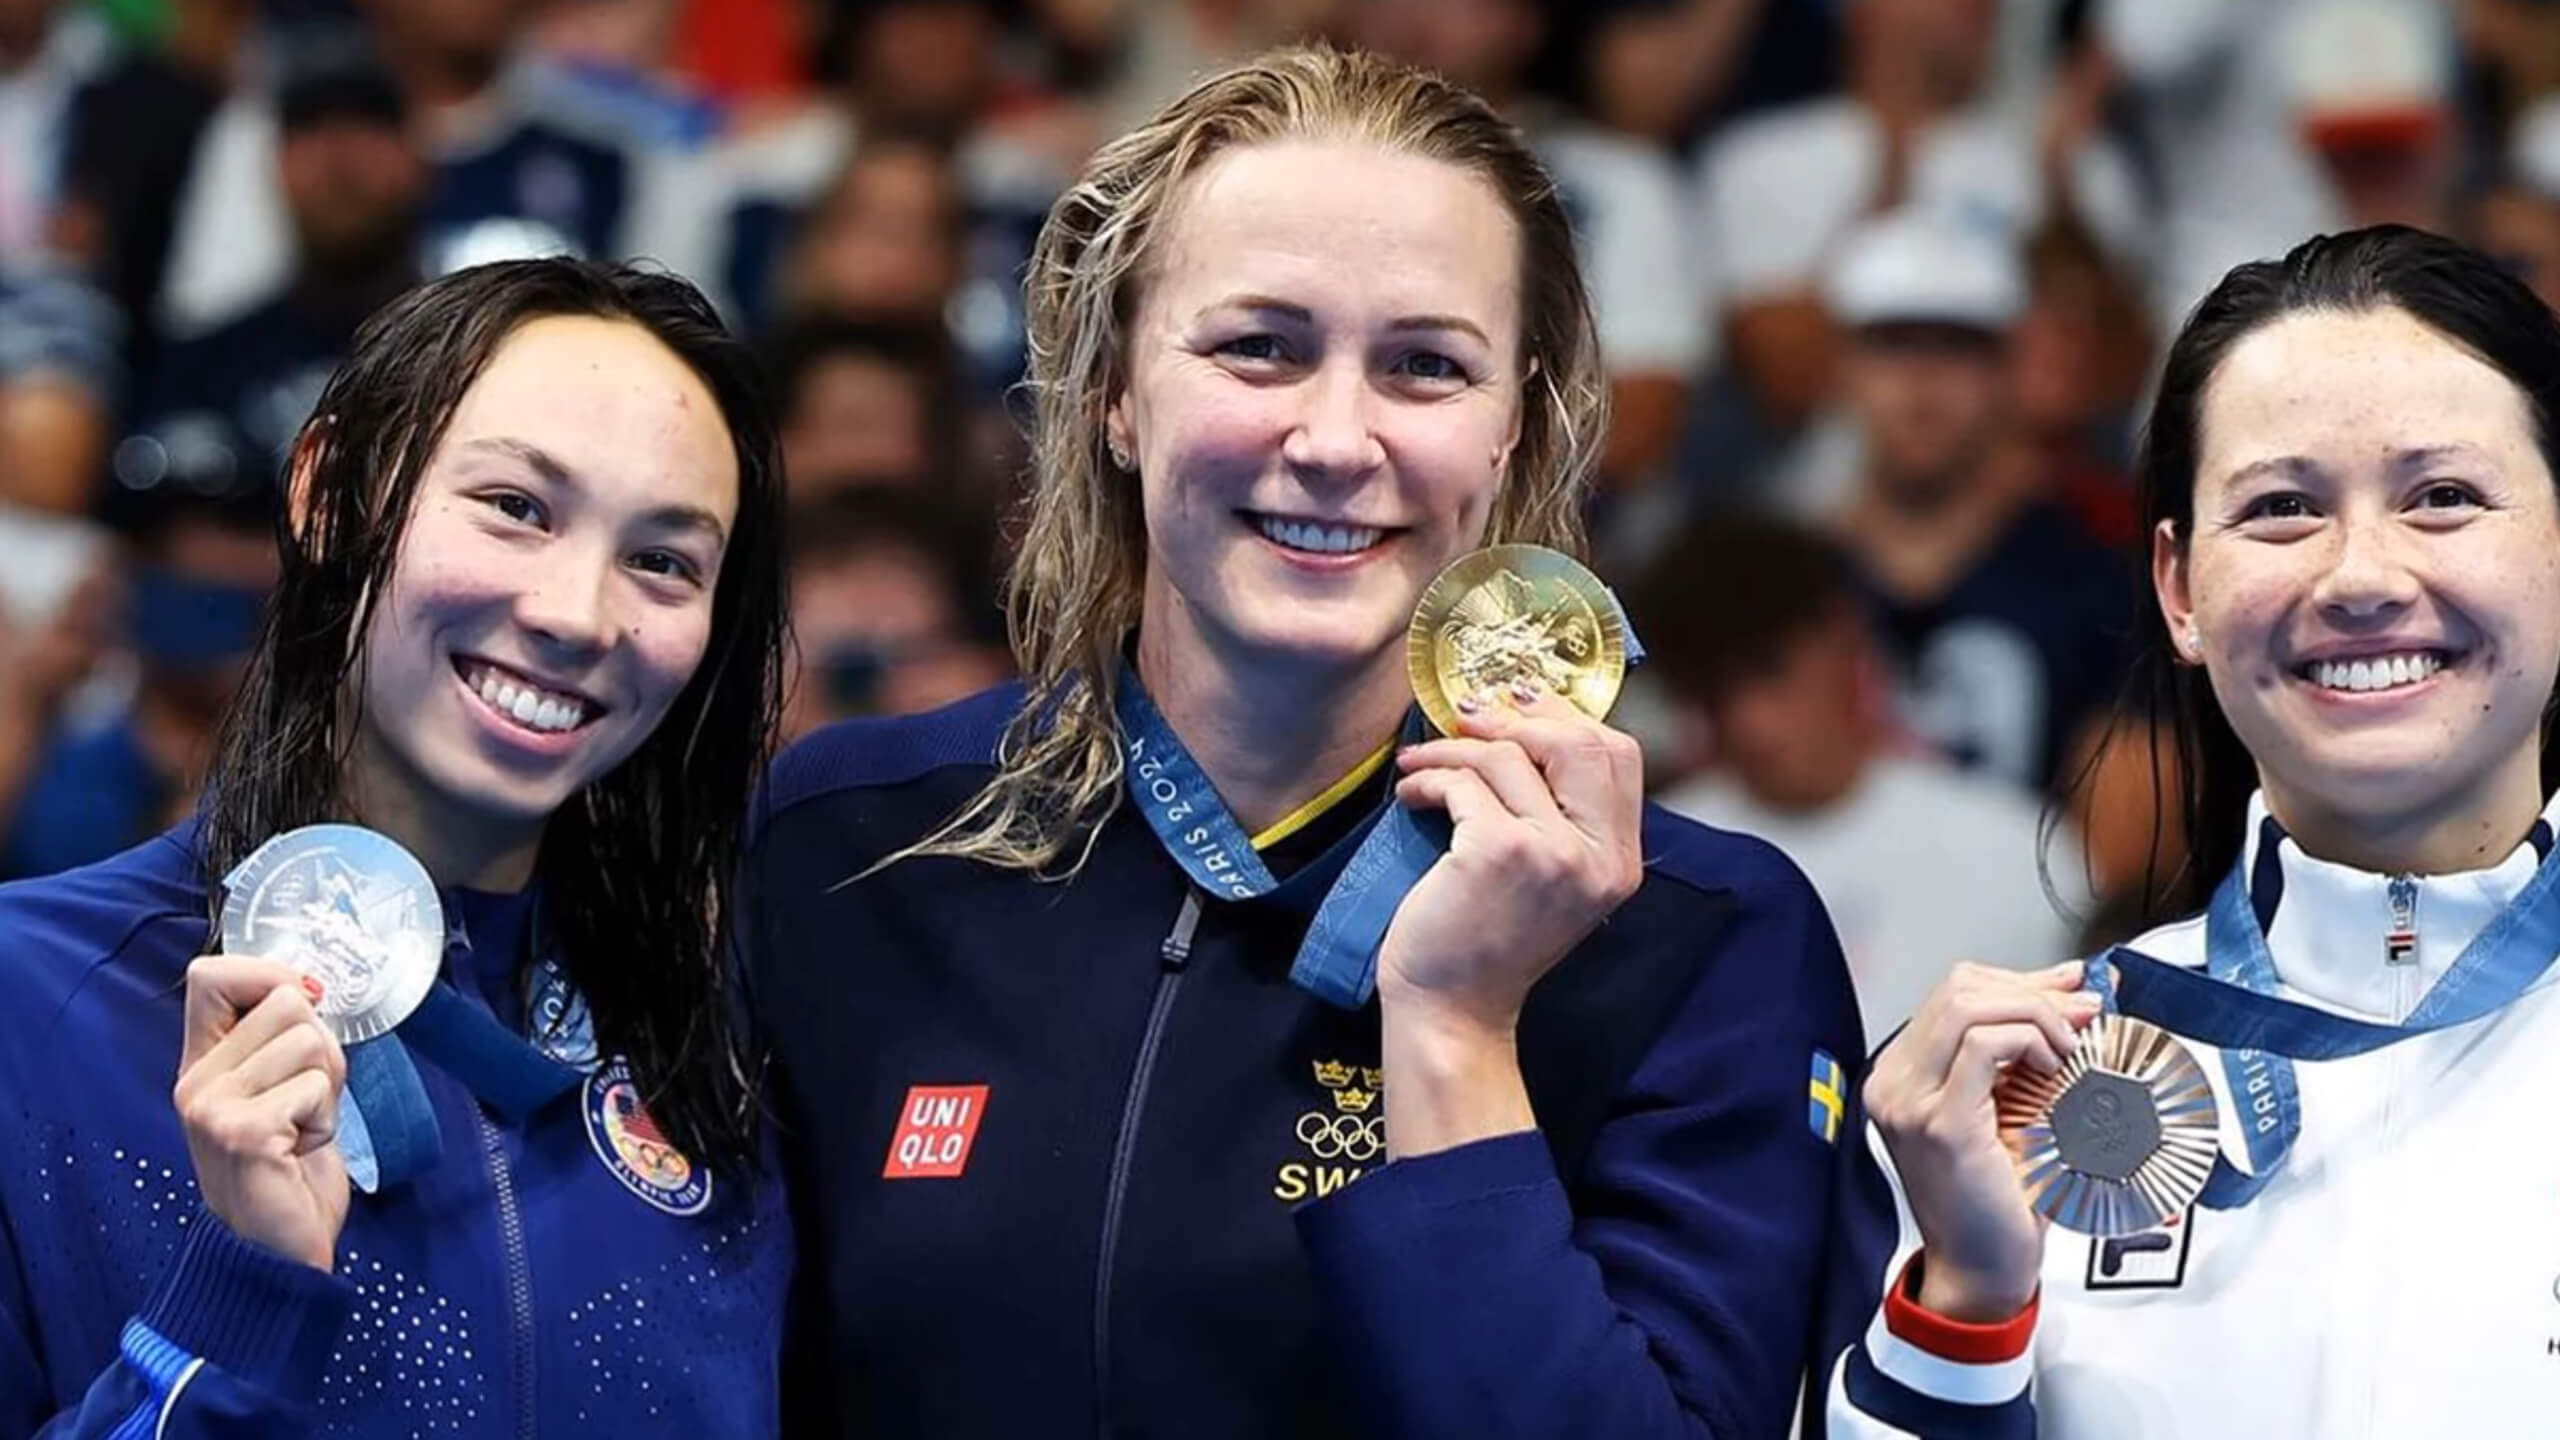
x: 347, y: 907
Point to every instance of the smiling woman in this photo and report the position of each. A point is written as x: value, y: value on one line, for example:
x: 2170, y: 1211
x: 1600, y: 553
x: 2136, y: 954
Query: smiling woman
x: 1310, y: 335
x: 528, y: 627
x: 2355, y: 636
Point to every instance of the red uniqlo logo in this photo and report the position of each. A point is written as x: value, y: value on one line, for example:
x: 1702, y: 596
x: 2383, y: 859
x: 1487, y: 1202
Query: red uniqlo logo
x: 936, y: 1127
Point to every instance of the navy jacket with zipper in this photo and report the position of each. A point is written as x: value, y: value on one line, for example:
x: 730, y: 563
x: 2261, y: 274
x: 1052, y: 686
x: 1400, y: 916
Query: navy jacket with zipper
x: 1057, y: 1176
x: 521, y: 1287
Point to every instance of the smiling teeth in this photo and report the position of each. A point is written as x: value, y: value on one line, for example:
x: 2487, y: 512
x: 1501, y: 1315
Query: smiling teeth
x: 2380, y: 672
x: 1319, y: 539
x: 532, y: 708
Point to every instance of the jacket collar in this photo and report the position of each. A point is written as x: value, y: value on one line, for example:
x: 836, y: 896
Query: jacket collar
x: 2328, y: 924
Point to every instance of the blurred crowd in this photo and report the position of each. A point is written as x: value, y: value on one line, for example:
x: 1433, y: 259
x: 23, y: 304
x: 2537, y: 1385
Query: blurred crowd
x: 1880, y: 284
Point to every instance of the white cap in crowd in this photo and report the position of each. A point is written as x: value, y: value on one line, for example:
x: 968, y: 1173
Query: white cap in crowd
x: 2366, y: 71
x: 1926, y: 266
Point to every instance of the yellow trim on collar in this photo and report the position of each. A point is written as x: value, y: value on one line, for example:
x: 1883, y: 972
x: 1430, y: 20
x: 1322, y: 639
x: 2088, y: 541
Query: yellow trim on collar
x: 1305, y: 815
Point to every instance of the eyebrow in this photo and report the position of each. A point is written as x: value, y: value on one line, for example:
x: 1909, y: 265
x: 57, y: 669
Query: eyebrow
x: 555, y: 471
x: 2303, y: 467
x: 1300, y: 314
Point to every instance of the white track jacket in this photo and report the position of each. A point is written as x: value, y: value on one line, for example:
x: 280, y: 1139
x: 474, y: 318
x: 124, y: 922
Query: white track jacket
x: 2400, y: 1277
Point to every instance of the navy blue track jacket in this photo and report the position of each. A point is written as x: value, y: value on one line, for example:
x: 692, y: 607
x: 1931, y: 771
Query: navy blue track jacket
x: 1056, y: 1177
x: 556, y: 1278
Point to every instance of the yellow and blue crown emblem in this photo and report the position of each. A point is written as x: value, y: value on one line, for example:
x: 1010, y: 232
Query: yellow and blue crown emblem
x: 1826, y: 1099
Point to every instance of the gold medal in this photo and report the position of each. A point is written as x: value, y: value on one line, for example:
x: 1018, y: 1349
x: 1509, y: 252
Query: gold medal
x: 1512, y: 613
x: 2123, y: 1138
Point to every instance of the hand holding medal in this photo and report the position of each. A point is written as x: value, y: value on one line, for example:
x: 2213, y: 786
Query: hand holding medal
x: 1931, y: 1094
x: 331, y: 936
x: 258, y: 1084
x: 1516, y: 653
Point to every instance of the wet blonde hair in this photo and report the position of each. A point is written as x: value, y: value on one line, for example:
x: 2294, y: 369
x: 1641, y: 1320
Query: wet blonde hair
x: 1073, y: 596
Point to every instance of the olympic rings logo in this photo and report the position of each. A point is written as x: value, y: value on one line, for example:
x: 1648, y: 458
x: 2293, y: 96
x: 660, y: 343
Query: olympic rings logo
x: 1343, y: 1137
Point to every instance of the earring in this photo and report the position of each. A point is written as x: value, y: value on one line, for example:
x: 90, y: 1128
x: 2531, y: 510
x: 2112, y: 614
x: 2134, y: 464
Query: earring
x: 1119, y: 455
x: 2195, y: 642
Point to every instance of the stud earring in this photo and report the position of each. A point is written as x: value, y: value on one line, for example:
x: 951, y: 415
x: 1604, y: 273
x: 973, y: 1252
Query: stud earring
x: 2195, y: 642
x: 1119, y: 455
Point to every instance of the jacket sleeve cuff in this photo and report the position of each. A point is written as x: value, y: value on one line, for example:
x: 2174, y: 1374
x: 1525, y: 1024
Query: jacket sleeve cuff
x: 1507, y: 1185
x: 264, y: 1320
x: 1951, y: 1360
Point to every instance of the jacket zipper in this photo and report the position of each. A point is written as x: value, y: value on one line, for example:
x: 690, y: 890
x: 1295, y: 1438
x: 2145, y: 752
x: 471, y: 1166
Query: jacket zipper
x: 2400, y: 956
x: 519, y: 1277
x: 2400, y: 945
x: 1176, y: 953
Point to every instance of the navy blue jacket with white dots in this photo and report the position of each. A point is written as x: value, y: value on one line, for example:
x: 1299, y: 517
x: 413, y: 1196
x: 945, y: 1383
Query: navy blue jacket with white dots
x: 535, y: 1282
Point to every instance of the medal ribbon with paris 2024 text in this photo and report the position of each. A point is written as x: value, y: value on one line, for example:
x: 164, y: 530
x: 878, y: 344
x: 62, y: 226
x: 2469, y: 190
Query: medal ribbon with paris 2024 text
x: 2234, y: 1006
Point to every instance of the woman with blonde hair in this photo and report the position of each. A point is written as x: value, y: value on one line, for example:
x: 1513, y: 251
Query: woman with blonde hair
x: 1074, y: 1153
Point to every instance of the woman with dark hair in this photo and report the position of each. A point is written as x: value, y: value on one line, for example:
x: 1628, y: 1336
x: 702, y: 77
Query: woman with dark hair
x: 2349, y: 484
x: 529, y: 628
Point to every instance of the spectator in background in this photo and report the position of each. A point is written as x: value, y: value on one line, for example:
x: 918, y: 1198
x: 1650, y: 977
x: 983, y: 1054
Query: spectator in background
x: 1657, y: 70
x: 2519, y: 221
x: 515, y: 168
x: 2269, y: 119
x: 2079, y: 358
x: 1758, y: 628
x: 112, y: 780
x: 970, y: 156
x: 2511, y: 53
x: 863, y: 404
x: 47, y: 49
x: 220, y: 412
x: 1780, y: 189
x: 892, y: 609
x: 2373, y: 90
x: 135, y: 133
x: 58, y: 380
x: 1625, y: 198
x: 46, y: 653
x: 2003, y: 620
x: 885, y: 241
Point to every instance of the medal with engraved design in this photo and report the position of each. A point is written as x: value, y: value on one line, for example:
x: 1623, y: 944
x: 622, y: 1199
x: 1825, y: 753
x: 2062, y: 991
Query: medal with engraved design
x: 2122, y: 1138
x: 1510, y: 614
x: 348, y: 907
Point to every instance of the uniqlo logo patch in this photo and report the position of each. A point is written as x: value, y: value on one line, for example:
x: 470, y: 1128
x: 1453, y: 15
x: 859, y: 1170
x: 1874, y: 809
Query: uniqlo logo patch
x: 936, y: 1127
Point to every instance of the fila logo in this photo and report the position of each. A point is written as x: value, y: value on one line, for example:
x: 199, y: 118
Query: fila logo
x: 2154, y: 1259
x: 936, y: 1127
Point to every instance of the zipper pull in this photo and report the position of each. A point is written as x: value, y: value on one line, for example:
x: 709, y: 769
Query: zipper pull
x: 1177, y: 944
x: 2400, y: 946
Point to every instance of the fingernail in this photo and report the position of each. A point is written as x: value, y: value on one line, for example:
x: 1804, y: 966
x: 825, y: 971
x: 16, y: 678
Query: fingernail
x: 311, y: 986
x: 1526, y: 693
x: 1470, y: 704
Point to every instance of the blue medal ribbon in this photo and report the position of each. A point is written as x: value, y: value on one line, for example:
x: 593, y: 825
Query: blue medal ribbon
x: 1338, y: 960
x: 386, y: 1124
x: 2234, y: 1006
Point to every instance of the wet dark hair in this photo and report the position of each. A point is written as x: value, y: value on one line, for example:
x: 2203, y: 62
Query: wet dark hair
x: 636, y: 870
x: 2461, y: 295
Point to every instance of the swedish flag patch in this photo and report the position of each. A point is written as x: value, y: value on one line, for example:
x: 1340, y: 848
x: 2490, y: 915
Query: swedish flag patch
x: 1824, y: 1102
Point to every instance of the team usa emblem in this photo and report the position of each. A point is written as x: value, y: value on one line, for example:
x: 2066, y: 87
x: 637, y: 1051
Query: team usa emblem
x: 635, y: 1150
